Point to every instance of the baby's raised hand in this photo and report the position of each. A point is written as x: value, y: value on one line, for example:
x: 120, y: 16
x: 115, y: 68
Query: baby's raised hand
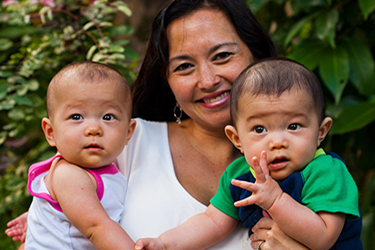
x: 265, y: 190
x: 149, y: 244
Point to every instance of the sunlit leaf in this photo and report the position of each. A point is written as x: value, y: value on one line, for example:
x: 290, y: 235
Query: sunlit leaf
x: 5, y: 43
x: 334, y: 70
x: 123, y: 7
x: 16, y: 114
x: 88, y: 26
x: 90, y: 52
x: 326, y: 26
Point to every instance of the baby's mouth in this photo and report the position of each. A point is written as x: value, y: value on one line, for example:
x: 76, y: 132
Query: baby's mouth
x: 279, y: 160
x: 278, y: 163
x: 93, y: 146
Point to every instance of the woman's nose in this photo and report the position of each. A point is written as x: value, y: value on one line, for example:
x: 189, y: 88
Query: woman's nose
x: 93, y: 129
x: 208, y: 77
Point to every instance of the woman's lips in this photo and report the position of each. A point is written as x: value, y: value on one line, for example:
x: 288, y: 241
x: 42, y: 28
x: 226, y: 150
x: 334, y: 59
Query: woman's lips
x: 214, y: 101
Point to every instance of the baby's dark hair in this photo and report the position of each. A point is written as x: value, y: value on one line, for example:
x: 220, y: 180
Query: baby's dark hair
x: 86, y: 72
x: 274, y: 76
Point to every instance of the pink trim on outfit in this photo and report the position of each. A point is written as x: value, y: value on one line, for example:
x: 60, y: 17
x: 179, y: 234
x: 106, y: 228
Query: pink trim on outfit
x: 44, y: 166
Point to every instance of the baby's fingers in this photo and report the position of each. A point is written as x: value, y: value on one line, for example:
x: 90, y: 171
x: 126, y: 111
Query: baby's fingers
x: 149, y: 243
x: 244, y: 184
x: 244, y: 202
x: 263, y: 163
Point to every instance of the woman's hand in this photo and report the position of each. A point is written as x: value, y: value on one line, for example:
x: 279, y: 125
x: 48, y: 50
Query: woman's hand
x: 275, y: 239
x: 17, y: 228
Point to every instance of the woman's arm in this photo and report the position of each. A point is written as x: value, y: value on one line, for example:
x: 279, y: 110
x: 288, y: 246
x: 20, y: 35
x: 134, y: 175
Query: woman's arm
x: 199, y: 232
x: 75, y: 190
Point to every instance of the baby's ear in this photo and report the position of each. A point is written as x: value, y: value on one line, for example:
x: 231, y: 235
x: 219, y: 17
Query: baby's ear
x: 232, y: 135
x: 48, y: 131
x: 131, y: 128
x: 325, y: 126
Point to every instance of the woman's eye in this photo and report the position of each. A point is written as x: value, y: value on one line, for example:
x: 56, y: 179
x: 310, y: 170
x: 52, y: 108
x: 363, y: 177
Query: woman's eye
x: 294, y: 126
x: 183, y: 66
x: 222, y: 56
x: 259, y: 129
x: 76, y: 117
x: 108, y: 117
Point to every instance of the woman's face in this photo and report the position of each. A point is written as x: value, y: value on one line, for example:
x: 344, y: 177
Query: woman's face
x: 205, y: 57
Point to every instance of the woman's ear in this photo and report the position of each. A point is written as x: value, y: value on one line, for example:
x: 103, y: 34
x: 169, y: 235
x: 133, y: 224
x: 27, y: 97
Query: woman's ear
x: 325, y: 126
x: 131, y: 129
x: 232, y: 135
x: 48, y: 131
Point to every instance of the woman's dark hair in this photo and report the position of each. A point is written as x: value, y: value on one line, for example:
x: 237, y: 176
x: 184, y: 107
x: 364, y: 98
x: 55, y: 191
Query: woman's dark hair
x: 152, y: 97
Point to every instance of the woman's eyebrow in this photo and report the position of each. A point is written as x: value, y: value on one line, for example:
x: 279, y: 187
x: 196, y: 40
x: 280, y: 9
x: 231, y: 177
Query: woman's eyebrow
x: 216, y: 47
x: 211, y: 50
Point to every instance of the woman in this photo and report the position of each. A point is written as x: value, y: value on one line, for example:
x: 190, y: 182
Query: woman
x: 196, y: 50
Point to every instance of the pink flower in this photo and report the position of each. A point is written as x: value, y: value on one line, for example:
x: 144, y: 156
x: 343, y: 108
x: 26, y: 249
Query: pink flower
x: 9, y: 2
x: 50, y: 3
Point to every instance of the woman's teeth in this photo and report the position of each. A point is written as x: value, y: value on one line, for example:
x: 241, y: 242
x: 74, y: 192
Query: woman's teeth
x: 218, y: 98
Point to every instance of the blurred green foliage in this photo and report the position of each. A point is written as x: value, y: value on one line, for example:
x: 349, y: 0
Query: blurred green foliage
x: 37, y: 39
x: 336, y: 39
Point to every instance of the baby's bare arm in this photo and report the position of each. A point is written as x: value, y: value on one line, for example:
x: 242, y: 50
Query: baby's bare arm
x: 199, y: 232
x: 75, y: 191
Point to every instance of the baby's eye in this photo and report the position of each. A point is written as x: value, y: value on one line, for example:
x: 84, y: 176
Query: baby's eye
x: 76, y: 117
x: 294, y: 126
x: 108, y: 117
x: 259, y: 129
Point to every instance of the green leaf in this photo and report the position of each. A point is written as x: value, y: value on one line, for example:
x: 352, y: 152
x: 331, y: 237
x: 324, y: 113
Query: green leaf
x: 90, y: 52
x: 334, y: 70
x: 326, y: 26
x: 367, y: 6
x: 22, y: 100
x: 308, y: 53
x: 5, y: 74
x: 131, y: 54
x: 297, y: 27
x: 16, y: 114
x: 362, y: 66
x: 116, y: 48
x: 354, y: 117
x: 4, y: 85
x: 5, y: 44
x: 13, y: 32
x: 121, y: 6
x: 3, y: 136
x: 7, y: 104
x: 121, y: 30
x: 255, y: 5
